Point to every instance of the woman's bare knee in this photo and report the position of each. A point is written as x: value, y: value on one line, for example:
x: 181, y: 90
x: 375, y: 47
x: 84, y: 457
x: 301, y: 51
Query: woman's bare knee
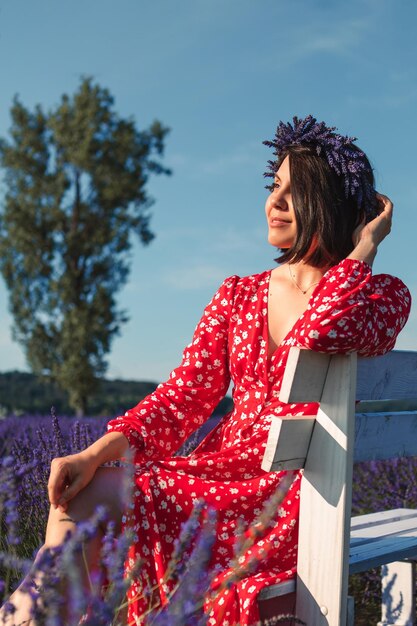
x: 106, y: 489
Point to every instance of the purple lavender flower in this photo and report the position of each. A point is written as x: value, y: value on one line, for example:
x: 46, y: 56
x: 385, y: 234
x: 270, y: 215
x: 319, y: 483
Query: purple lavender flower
x: 184, y: 542
x: 9, y: 496
x: 185, y: 607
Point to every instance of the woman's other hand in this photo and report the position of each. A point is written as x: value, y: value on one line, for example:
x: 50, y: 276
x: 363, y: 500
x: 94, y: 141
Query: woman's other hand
x: 69, y: 474
x: 368, y: 236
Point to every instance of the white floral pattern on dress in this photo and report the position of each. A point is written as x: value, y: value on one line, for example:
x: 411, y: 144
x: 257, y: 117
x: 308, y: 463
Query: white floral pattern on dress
x: 350, y: 310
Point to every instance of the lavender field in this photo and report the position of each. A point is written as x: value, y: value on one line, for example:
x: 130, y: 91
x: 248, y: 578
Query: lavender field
x: 29, y: 443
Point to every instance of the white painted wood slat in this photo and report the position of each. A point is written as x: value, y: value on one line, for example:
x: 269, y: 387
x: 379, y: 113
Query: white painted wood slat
x: 304, y: 377
x: 381, y: 551
x: 393, y: 376
x: 377, y: 436
x: 385, y: 435
x: 380, y: 518
x: 326, y: 490
x: 280, y: 589
x: 398, y: 595
x: 288, y: 443
x: 372, y: 533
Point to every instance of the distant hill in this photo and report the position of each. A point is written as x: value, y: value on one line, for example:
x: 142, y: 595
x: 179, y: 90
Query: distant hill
x: 21, y: 392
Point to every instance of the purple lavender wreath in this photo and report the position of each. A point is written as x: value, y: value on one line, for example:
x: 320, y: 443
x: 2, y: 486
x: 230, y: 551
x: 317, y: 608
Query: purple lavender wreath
x: 345, y: 158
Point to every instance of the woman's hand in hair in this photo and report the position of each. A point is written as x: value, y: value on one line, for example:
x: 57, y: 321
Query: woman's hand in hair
x: 368, y: 236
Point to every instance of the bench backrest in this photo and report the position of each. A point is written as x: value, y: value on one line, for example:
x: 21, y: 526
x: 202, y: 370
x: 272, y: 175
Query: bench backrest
x: 326, y: 446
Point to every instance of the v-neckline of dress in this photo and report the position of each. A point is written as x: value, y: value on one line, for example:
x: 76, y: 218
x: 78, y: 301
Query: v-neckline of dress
x: 270, y: 356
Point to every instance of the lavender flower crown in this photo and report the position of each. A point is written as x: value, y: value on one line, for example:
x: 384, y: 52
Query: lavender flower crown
x: 346, y: 160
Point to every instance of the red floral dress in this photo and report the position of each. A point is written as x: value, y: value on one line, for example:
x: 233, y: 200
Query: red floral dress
x: 349, y: 310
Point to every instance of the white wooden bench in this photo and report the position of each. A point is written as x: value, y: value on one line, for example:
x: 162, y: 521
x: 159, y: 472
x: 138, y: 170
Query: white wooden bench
x: 382, y: 425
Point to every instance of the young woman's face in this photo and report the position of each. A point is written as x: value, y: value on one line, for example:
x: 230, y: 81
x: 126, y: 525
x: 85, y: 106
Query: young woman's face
x: 282, y: 227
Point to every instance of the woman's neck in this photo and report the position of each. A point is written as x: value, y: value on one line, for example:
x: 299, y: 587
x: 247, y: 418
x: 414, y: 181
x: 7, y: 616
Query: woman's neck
x: 305, y: 276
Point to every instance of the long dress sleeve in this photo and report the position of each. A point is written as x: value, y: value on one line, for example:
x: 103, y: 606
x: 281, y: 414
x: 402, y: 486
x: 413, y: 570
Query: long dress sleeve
x: 353, y: 310
x: 159, y: 424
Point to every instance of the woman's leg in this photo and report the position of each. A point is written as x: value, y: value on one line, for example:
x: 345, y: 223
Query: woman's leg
x: 107, y: 489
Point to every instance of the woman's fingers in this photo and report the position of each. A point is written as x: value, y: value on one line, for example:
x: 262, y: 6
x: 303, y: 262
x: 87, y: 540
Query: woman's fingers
x: 386, y: 212
x: 56, y: 480
x: 70, y: 492
x: 59, y: 480
x: 68, y: 476
x: 385, y: 204
x: 378, y: 228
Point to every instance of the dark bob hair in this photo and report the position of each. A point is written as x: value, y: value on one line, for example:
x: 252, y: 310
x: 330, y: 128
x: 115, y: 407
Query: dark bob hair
x: 325, y: 217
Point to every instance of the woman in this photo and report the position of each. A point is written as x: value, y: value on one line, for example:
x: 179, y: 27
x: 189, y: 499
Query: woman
x: 327, y: 220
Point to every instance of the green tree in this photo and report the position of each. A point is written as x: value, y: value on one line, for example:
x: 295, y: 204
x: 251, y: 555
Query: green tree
x: 75, y: 192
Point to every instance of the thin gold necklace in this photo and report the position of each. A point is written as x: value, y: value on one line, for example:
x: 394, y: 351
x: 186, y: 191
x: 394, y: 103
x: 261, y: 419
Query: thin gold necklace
x: 303, y: 291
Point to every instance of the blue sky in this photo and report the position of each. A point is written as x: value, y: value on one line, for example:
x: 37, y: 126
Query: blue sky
x: 221, y: 74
